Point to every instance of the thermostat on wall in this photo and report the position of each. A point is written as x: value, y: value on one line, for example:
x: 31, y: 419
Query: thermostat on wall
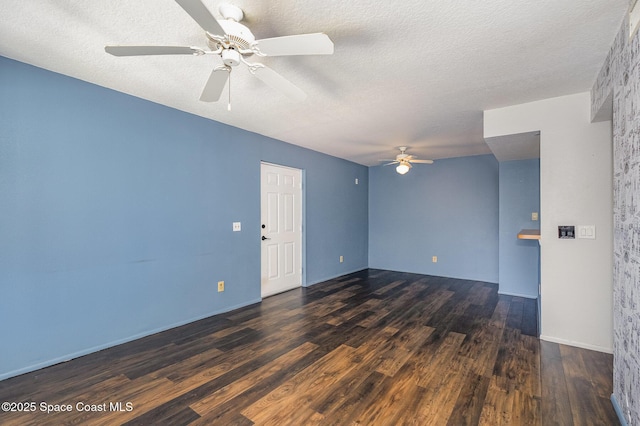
x: 566, y: 232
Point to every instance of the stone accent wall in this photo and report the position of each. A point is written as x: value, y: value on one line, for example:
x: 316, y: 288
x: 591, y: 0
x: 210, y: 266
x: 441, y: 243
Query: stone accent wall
x: 620, y: 77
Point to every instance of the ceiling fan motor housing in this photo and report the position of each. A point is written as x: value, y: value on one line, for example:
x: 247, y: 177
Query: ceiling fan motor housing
x: 402, y: 154
x: 237, y: 34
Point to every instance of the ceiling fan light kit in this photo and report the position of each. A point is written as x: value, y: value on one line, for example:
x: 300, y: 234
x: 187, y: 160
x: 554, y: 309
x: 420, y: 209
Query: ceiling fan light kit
x: 404, y: 161
x: 403, y: 167
x: 230, y: 42
x: 230, y: 57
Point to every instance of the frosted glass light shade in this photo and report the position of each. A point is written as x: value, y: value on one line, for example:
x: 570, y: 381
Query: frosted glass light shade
x: 403, y: 168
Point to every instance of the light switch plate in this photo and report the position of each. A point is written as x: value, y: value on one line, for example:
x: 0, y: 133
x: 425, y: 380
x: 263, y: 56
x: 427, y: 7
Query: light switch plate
x: 237, y: 226
x: 587, y: 231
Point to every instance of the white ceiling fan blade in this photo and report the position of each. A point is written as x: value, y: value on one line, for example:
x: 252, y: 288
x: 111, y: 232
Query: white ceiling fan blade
x: 302, y: 44
x: 278, y: 82
x: 150, y: 50
x: 215, y: 85
x: 199, y: 12
x: 392, y: 162
x: 422, y: 161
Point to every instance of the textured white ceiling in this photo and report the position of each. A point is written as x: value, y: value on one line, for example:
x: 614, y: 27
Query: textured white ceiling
x: 416, y: 73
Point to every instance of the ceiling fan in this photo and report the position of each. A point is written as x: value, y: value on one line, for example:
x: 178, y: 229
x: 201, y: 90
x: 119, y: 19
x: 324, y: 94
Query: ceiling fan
x: 404, y: 161
x: 230, y: 43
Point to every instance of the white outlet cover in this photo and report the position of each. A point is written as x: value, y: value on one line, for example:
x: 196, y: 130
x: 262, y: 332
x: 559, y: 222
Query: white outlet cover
x: 237, y: 226
x: 587, y: 231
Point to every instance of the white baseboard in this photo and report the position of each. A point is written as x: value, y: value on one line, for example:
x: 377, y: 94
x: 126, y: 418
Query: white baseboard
x: 577, y: 344
x: 93, y: 349
x: 526, y: 296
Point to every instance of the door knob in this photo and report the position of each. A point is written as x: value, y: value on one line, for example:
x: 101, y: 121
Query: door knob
x: 265, y: 238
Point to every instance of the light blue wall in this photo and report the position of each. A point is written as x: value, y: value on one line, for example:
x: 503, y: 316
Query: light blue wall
x: 448, y: 209
x: 519, y: 197
x: 116, y: 213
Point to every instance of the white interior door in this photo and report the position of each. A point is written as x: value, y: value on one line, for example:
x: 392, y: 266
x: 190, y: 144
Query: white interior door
x: 281, y: 211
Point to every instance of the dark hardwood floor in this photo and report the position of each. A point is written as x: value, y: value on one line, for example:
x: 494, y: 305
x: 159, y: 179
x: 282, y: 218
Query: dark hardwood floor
x: 370, y: 348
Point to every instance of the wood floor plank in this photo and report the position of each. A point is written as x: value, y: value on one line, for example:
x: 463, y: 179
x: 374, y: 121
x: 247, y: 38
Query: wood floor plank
x: 529, y: 325
x: 229, y: 411
x: 507, y: 367
x: 600, y: 367
x: 339, y: 284
x: 297, y: 393
x: 428, y: 371
x: 361, y: 392
x: 374, y: 318
x: 529, y: 362
x: 405, y: 343
x: 470, y: 401
x: 481, y: 348
x: 204, y: 385
x: 526, y: 409
x: 389, y: 287
x: 216, y: 367
x: 586, y: 404
x: 231, y: 419
x: 371, y: 347
x: 442, y: 393
x: 143, y: 394
x: 337, y: 317
x: 555, y: 406
x: 516, y: 312
x: 481, y: 294
x: 389, y: 404
x: 224, y: 394
x: 367, y: 358
x: 498, y: 406
x: 200, y: 362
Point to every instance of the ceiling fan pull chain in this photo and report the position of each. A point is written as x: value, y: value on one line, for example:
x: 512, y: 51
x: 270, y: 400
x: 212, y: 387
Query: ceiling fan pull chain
x: 229, y: 102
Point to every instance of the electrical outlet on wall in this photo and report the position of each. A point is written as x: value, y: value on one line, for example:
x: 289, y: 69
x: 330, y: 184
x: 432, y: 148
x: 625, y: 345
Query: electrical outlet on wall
x: 220, y: 286
x: 434, y: 259
x: 341, y: 259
